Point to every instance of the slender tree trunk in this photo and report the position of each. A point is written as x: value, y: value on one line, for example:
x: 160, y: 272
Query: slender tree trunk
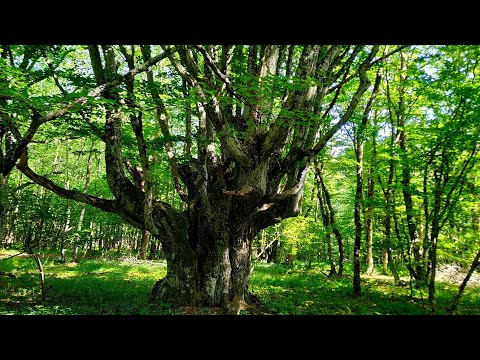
x: 412, y: 227
x: 144, y: 244
x: 326, y: 222
x: 272, y: 252
x: 333, y: 270
x: 153, y: 249
x: 329, y: 222
x: 476, y: 262
x: 83, y: 205
x: 389, y: 194
x: 5, y: 219
x: 11, y: 221
x: 407, y: 187
x: 357, y: 217
x: 389, y: 260
x: 369, y: 220
x: 341, y: 251
x: 435, y: 231
x: 384, y: 259
x: 387, y: 223
x: 433, y: 265
x: 66, y: 229
x: 68, y: 210
x: 399, y: 136
x: 3, y: 210
x: 359, y: 153
x: 39, y: 265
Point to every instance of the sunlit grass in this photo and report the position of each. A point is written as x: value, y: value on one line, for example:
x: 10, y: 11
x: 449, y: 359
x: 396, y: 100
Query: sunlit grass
x: 302, y: 291
x: 93, y: 287
x: 117, y: 287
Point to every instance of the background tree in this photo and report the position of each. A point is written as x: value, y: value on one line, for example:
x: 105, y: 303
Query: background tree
x: 328, y: 219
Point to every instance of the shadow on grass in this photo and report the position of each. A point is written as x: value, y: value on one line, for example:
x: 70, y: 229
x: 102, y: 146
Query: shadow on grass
x: 107, y: 287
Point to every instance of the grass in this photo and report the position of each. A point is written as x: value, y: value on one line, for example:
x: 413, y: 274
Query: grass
x: 93, y: 287
x: 121, y: 287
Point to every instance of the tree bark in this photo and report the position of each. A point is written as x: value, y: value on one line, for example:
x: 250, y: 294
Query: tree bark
x: 357, y: 217
x: 407, y: 187
x: 144, y: 245
x: 3, y: 210
x: 359, y: 154
x: 335, y: 230
x: 388, y: 259
x: 435, y: 231
x: 327, y: 220
x: 41, y: 273
x: 209, y: 264
x: 369, y: 216
x: 67, y: 226
x: 384, y: 259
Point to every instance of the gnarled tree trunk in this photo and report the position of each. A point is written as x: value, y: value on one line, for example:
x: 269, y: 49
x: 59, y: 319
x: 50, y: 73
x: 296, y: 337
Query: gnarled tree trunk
x: 208, y: 247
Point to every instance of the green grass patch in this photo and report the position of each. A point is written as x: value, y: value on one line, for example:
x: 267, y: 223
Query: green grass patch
x: 300, y: 290
x: 98, y: 286
x: 93, y: 287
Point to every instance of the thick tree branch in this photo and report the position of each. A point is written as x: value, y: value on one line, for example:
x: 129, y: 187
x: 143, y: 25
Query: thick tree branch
x: 231, y: 142
x: 347, y: 79
x: 38, y: 119
x: 362, y: 87
x: 227, y: 55
x: 296, y: 155
x: 211, y: 64
x: 294, y: 190
x: 106, y: 205
x: 148, y: 184
x: 299, y: 100
x: 99, y: 90
x: 399, y: 48
x: 136, y: 172
x: 162, y: 118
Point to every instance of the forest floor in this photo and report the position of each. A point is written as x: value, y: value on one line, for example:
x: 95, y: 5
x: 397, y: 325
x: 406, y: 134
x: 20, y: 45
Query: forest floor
x: 120, y: 286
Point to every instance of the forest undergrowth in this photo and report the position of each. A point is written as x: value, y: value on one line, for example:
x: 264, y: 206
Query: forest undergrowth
x: 121, y: 285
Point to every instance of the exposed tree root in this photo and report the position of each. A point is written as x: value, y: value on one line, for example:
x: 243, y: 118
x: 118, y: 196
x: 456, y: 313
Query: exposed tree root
x: 236, y: 305
x: 155, y: 293
x: 253, y: 305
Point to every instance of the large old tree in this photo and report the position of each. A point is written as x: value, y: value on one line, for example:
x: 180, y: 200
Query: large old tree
x: 252, y: 119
